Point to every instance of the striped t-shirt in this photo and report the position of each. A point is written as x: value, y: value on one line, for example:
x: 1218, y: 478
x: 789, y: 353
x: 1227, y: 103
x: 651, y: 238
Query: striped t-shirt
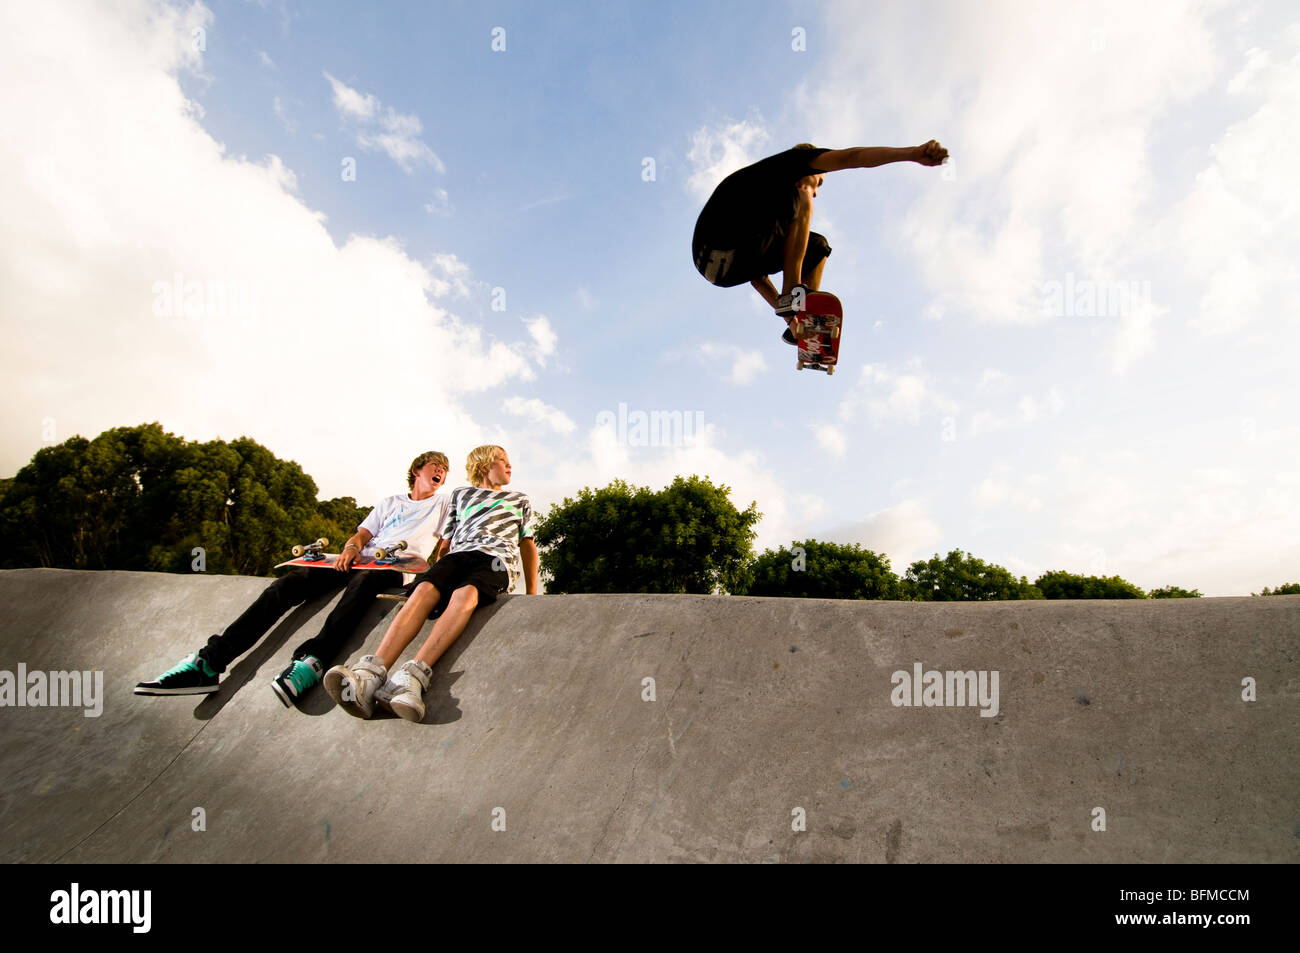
x: 490, y: 521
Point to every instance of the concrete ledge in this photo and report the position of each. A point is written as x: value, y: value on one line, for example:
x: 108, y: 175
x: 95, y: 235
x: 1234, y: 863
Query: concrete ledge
x: 763, y: 711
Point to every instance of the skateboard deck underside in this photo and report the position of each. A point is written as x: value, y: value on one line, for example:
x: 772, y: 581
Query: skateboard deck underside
x: 817, y: 332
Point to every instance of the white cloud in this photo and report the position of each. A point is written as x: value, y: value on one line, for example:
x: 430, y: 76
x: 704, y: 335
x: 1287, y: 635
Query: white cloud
x: 281, y: 173
x: 397, y: 134
x: 440, y: 204
x: 542, y: 413
x: 898, y: 396
x: 1236, y: 229
x: 449, y: 276
x: 996, y: 492
x: 904, y: 532
x: 350, y: 103
x: 277, y: 106
x: 745, y: 364
x: 97, y: 240
x: 831, y: 439
x: 586, y: 300
x: 539, y: 328
x: 266, y: 60
x: 1031, y: 410
x: 718, y: 151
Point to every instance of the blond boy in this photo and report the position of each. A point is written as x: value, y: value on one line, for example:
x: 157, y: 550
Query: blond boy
x: 487, y: 545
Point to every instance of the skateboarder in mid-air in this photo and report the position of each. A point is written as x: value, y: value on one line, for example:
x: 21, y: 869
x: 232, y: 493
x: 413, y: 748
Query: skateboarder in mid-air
x: 758, y: 220
x: 417, y: 517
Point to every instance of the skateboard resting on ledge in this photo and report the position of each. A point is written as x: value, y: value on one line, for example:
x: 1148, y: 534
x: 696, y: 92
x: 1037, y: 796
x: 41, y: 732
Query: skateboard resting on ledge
x: 313, y: 556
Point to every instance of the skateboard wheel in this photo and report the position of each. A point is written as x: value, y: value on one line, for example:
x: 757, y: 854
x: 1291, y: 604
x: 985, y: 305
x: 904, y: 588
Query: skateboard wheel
x: 297, y: 551
x: 830, y: 370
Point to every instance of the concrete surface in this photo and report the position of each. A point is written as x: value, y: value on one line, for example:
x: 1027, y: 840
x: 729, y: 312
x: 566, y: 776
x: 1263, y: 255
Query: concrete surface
x: 764, y: 711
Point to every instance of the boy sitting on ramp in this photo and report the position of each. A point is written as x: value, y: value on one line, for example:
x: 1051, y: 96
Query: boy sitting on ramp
x: 487, y: 544
x: 417, y: 517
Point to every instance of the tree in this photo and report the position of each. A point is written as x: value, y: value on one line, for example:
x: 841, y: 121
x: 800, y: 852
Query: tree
x: 141, y: 498
x: 1175, y: 592
x: 962, y: 578
x: 814, y: 570
x: 688, y: 537
x: 1290, y: 589
x: 1064, y: 585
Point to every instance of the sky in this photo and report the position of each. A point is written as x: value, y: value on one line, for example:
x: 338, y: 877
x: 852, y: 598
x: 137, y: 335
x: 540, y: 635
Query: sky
x: 356, y: 234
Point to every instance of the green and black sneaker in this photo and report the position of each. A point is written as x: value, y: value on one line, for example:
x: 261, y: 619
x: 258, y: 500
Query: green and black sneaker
x: 301, y: 675
x: 189, y: 676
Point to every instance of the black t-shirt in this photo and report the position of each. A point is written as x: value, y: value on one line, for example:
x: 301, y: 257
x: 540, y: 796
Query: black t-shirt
x: 747, y: 203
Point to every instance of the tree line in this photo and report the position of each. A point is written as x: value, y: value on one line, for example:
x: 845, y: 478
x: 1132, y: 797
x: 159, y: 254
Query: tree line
x: 140, y: 498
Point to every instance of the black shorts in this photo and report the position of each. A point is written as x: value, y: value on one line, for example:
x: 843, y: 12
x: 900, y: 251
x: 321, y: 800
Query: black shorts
x: 457, y: 570
x: 728, y: 267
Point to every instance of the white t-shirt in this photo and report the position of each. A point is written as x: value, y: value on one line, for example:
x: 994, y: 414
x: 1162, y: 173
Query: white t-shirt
x: 420, y: 522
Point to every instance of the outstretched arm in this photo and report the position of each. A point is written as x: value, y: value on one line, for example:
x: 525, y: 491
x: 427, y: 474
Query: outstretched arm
x: 868, y: 157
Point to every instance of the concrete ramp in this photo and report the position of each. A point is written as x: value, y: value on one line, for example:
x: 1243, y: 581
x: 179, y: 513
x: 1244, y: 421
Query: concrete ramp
x: 664, y: 728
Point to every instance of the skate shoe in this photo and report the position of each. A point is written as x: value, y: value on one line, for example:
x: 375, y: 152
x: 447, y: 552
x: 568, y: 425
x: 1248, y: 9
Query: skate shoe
x: 789, y: 304
x: 189, y: 676
x: 301, y: 675
x: 412, y: 680
x: 353, y: 689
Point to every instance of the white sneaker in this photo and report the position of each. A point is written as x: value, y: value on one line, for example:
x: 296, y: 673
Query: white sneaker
x: 353, y: 689
x: 411, y: 681
x: 384, y: 694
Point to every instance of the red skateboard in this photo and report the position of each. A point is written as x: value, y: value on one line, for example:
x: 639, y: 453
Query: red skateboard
x: 394, y: 557
x: 817, y: 331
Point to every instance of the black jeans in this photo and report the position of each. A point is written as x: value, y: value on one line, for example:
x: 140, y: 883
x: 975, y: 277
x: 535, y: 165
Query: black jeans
x: 293, y: 589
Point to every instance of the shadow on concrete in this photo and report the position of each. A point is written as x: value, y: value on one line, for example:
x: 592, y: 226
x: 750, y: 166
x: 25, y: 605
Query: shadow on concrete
x: 440, y: 706
x: 250, y: 663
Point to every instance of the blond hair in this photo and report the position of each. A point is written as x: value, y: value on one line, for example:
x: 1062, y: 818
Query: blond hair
x: 479, y: 461
x: 422, y: 461
x: 805, y: 145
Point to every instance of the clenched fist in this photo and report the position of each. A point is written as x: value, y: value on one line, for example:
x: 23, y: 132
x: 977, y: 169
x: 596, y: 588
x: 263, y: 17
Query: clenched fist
x: 931, y: 153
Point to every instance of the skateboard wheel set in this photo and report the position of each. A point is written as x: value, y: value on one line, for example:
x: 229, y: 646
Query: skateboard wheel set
x: 390, y: 552
x: 311, y: 548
